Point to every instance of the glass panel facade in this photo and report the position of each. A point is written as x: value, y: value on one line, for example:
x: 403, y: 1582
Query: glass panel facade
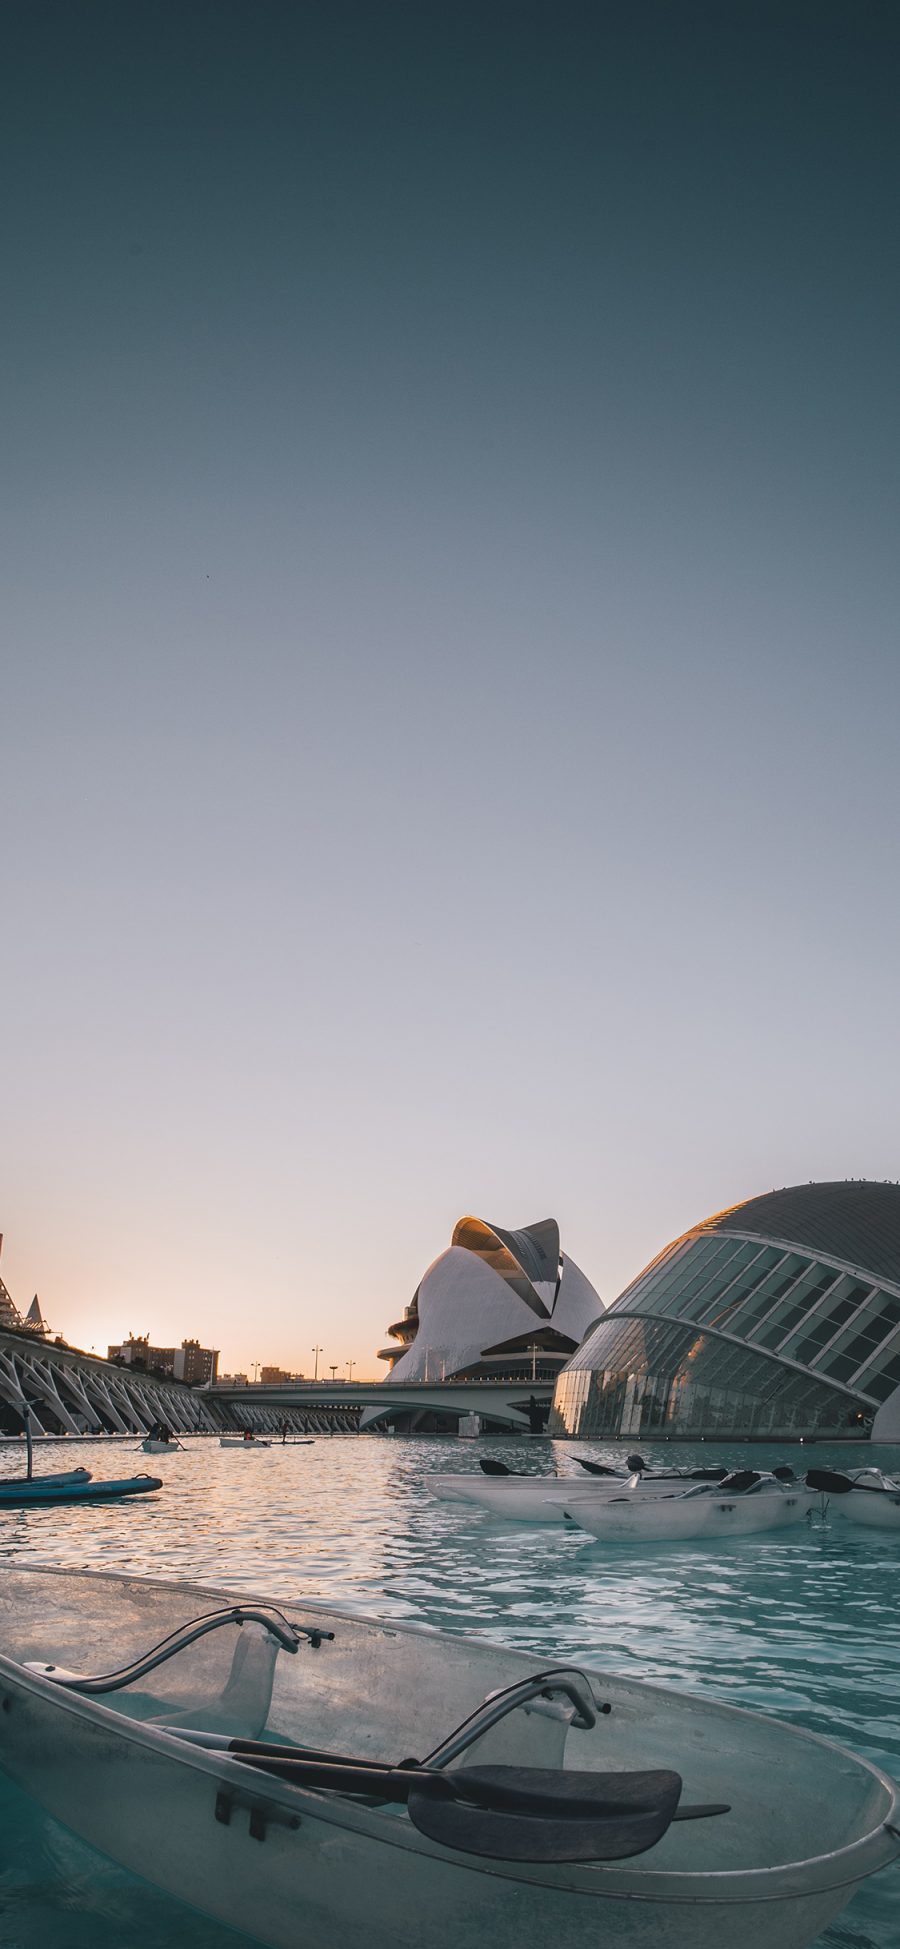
x: 647, y: 1280
x: 792, y: 1344
x: 883, y: 1382
x: 842, y: 1304
x: 872, y: 1329
x: 664, y: 1382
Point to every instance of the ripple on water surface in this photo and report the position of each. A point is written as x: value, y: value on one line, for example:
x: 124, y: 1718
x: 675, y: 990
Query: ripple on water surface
x: 805, y: 1625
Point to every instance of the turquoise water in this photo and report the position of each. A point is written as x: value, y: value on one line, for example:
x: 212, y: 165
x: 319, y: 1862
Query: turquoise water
x: 805, y: 1625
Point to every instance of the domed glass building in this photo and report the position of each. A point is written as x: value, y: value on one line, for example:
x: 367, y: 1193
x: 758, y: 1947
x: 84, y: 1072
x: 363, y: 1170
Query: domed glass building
x: 780, y: 1316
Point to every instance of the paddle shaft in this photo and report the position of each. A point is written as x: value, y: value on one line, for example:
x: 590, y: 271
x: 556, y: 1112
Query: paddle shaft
x: 334, y: 1774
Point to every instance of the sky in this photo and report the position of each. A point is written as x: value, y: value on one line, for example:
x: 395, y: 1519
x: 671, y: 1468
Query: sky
x: 450, y: 677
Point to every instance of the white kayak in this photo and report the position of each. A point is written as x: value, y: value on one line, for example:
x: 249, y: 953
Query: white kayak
x: 252, y: 1760
x: 545, y: 1498
x: 745, y: 1504
x: 865, y: 1496
x: 240, y: 1441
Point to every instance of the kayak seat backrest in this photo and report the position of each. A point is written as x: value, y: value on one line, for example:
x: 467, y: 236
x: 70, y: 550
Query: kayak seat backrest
x: 242, y: 1707
x: 526, y: 1724
x: 533, y: 1735
x: 230, y: 1692
x: 740, y: 1482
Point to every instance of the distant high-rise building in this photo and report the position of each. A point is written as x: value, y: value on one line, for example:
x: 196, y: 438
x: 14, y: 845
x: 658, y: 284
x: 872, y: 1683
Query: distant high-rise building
x: 195, y: 1364
x: 190, y: 1362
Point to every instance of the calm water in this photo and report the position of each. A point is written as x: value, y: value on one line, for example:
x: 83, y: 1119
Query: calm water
x: 806, y: 1625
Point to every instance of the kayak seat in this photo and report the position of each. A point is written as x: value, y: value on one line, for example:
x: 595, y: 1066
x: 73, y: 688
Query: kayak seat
x: 246, y: 1697
x: 236, y: 1702
x: 525, y: 1724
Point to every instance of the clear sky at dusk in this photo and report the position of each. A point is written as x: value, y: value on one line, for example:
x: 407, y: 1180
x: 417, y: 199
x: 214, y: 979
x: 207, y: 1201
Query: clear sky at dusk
x: 450, y: 674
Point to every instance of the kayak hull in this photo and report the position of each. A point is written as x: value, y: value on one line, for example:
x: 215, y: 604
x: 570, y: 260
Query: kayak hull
x: 873, y: 1508
x: 541, y: 1498
x: 704, y: 1519
x: 44, y: 1490
x: 294, y: 1868
x: 62, y: 1476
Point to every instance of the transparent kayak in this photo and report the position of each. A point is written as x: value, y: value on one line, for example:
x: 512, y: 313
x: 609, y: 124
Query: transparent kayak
x: 750, y: 1506
x: 554, y: 1498
x: 255, y: 1761
x: 865, y: 1496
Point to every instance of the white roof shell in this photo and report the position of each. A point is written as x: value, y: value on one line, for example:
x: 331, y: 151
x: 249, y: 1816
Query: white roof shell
x: 477, y: 1295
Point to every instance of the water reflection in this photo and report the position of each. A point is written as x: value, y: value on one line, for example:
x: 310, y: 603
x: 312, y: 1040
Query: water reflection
x: 804, y: 1623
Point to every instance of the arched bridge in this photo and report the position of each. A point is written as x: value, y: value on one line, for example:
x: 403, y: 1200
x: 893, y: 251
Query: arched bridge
x: 409, y: 1405
x: 67, y: 1392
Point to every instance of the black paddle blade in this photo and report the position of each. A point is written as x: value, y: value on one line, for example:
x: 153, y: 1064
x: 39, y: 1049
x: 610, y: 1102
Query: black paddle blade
x: 527, y: 1814
x: 596, y: 1468
x: 830, y: 1483
x: 491, y: 1467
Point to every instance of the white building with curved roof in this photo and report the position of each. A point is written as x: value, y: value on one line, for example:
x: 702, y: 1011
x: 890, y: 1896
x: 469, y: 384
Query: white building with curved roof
x: 496, y: 1303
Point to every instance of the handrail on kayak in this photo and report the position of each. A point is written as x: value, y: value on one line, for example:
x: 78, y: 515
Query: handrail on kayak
x: 288, y: 1636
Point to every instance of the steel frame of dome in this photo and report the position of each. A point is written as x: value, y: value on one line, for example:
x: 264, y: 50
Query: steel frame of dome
x: 779, y: 1317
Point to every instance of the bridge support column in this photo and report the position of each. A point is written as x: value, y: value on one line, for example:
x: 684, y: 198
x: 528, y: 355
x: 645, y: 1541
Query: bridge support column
x: 69, y: 1379
x: 11, y: 1390
x: 35, y: 1377
x: 99, y: 1392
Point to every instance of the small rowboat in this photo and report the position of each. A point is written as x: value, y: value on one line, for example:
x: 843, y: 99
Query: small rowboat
x: 866, y: 1496
x: 47, y: 1488
x: 745, y: 1504
x: 248, y: 1759
x: 242, y: 1441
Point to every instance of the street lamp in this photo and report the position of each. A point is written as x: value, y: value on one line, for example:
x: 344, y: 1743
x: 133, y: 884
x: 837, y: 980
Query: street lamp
x: 256, y: 1366
x: 333, y: 1371
x: 350, y: 1366
x: 316, y: 1351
